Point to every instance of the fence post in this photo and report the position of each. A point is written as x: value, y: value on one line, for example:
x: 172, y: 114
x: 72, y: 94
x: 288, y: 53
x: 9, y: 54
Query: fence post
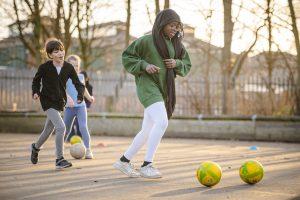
x: 233, y: 96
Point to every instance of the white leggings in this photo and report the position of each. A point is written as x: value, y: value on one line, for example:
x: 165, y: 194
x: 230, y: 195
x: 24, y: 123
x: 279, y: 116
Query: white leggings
x: 155, y: 123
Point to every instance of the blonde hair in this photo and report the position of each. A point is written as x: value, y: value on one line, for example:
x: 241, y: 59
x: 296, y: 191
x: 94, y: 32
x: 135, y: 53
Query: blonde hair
x: 75, y: 58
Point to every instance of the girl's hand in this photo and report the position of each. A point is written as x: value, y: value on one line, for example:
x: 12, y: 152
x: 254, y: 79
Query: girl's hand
x: 92, y: 99
x: 170, y: 63
x: 36, y: 96
x: 151, y: 69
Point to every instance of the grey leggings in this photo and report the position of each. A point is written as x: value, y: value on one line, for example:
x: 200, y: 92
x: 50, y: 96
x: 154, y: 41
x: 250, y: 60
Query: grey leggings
x: 53, y: 120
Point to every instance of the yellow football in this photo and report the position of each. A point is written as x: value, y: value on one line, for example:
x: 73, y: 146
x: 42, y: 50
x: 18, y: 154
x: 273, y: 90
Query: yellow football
x: 209, y: 173
x: 251, y: 172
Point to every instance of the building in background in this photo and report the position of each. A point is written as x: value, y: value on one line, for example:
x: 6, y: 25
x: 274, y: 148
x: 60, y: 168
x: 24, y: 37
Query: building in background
x: 108, y: 43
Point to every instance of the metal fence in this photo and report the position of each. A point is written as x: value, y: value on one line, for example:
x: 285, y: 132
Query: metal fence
x: 195, y: 95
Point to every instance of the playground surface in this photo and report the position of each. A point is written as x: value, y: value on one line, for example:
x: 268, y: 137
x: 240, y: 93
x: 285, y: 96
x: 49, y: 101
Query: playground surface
x: 177, y: 159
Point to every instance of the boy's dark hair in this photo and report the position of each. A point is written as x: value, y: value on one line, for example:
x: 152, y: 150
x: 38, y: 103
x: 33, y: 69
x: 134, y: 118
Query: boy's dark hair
x: 53, y: 44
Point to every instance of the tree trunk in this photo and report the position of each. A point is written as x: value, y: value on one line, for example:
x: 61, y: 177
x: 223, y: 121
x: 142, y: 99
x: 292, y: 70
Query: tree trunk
x: 226, y: 54
x: 127, y: 39
x: 157, y: 8
x: 207, y: 77
x: 167, y: 4
x: 37, y: 31
x: 297, y: 43
x: 57, y: 26
x: 82, y: 38
x: 62, y: 23
x: 269, y: 57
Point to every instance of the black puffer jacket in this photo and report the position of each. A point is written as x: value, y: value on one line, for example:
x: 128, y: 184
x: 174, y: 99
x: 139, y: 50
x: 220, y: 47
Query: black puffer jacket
x: 53, y: 93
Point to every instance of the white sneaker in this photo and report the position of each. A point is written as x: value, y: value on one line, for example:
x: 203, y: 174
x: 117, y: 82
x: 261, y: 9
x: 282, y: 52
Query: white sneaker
x: 126, y: 168
x: 150, y: 172
x: 89, y: 154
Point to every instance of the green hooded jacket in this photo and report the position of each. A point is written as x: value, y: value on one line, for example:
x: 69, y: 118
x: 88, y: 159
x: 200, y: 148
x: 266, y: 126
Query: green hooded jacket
x: 151, y: 88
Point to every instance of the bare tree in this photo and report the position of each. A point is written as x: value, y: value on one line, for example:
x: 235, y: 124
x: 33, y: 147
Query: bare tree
x: 35, y: 41
x: 28, y: 14
x: 208, y: 54
x: 91, y: 43
x: 167, y: 4
x: 269, y: 54
x: 83, y: 15
x: 86, y: 33
x: 63, y: 29
x: 149, y: 14
x: 127, y: 39
x: 226, y: 55
x: 238, y: 64
x: 157, y: 8
x: 297, y: 43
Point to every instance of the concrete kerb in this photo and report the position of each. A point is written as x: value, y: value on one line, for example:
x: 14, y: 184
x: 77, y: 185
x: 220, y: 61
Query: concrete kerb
x: 284, y: 129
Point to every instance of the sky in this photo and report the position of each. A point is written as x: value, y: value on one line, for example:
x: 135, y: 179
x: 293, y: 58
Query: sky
x: 190, y: 13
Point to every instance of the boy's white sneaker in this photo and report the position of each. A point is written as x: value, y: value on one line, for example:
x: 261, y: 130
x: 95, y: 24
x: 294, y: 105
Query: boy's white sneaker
x: 126, y: 168
x: 89, y: 154
x: 149, y: 171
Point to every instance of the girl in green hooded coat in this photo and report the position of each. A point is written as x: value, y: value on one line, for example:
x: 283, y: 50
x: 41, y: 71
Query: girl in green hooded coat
x: 154, y: 60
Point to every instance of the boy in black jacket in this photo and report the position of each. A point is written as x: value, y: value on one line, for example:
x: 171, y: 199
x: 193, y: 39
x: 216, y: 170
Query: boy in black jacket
x: 54, y: 75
